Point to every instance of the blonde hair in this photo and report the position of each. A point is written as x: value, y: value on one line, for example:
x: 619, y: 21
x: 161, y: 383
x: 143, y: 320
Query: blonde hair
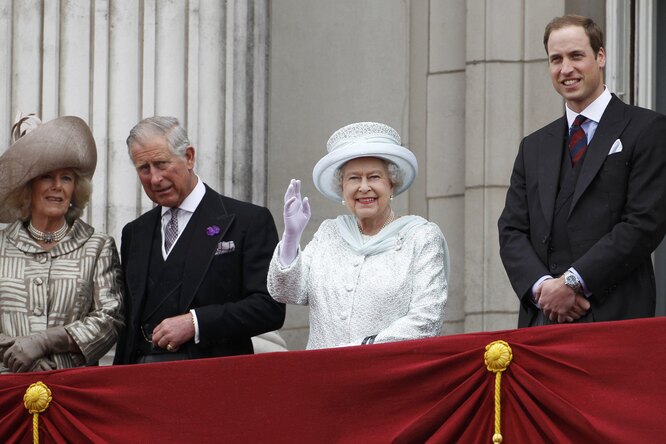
x: 19, y: 201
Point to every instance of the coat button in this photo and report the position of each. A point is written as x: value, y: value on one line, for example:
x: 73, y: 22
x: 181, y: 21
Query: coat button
x: 37, y: 311
x: 553, y: 266
x: 42, y: 260
x: 38, y: 281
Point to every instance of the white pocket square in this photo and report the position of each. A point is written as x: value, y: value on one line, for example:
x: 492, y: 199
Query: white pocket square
x: 616, y: 148
x: 225, y: 247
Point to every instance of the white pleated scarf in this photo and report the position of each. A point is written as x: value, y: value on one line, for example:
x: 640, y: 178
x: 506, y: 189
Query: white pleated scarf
x: 385, y: 240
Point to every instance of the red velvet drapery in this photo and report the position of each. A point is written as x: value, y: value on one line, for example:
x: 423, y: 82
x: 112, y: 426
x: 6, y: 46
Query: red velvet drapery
x: 594, y: 383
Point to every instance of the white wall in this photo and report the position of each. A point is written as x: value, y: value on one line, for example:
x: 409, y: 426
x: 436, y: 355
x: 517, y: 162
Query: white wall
x: 113, y: 62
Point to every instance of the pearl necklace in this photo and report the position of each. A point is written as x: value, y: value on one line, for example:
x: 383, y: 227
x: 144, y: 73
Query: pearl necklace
x: 48, y: 237
x: 386, y: 222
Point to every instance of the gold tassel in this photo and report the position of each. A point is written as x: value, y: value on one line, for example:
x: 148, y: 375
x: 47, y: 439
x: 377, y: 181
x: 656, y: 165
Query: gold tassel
x: 497, y: 358
x: 36, y: 399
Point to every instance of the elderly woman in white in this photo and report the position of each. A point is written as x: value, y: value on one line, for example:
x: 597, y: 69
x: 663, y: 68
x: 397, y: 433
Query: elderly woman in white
x: 371, y: 276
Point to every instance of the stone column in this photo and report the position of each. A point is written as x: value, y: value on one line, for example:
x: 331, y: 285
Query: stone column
x: 509, y: 95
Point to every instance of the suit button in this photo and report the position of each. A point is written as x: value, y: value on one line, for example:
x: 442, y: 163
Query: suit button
x: 545, y: 239
x: 38, y: 281
x: 553, y: 266
x: 37, y: 311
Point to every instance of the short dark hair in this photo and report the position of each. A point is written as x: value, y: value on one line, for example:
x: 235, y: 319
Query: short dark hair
x: 593, y: 31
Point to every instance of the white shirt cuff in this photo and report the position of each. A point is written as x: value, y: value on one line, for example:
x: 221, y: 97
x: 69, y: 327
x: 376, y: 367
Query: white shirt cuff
x: 195, y: 321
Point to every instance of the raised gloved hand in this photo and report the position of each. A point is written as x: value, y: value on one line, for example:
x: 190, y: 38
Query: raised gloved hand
x: 296, y: 216
x: 24, y: 353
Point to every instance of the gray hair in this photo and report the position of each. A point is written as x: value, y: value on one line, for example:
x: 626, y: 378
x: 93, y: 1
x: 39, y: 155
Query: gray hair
x: 395, y: 175
x: 166, y: 126
x: 19, y: 201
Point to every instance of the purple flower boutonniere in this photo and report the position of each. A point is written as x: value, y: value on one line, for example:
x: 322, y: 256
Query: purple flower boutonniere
x: 212, y: 230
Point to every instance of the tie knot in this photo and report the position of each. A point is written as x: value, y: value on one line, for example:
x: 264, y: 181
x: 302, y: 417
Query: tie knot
x: 579, y: 120
x: 173, y: 212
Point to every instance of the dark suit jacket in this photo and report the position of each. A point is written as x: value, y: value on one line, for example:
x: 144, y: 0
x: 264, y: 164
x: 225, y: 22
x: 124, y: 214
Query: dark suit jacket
x: 616, y: 220
x: 227, y: 290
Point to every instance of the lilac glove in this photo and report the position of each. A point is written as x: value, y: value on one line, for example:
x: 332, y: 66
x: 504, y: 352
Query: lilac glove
x: 296, y: 217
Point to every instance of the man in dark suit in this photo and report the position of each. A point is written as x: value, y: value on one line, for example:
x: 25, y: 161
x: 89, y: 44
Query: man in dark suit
x: 586, y: 205
x: 195, y: 265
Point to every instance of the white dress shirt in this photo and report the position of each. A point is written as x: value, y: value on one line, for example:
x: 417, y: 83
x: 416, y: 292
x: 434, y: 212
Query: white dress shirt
x: 187, y: 208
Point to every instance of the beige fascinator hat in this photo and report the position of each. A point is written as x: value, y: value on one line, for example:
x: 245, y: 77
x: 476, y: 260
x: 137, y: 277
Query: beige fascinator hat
x: 362, y: 139
x: 37, y: 148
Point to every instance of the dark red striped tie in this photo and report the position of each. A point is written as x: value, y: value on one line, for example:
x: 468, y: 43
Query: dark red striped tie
x: 577, y: 139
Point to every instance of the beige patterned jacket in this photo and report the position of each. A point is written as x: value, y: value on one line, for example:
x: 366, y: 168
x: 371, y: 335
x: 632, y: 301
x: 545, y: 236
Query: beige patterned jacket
x: 76, y: 284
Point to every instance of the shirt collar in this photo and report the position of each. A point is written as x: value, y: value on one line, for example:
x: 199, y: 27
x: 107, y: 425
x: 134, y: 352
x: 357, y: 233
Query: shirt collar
x: 594, y: 110
x: 192, y: 200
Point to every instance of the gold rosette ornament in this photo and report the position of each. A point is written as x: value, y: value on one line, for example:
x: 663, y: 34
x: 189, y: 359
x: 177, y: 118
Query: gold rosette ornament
x: 497, y: 358
x: 36, y: 399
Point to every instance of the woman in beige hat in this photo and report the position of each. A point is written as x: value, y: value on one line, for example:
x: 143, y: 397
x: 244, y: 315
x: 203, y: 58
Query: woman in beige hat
x: 369, y: 276
x: 60, y: 289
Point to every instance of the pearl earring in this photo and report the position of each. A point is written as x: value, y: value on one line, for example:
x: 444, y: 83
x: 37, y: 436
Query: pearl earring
x: 343, y: 202
x: 391, y: 196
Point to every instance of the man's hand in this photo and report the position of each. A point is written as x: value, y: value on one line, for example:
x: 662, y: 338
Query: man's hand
x: 578, y: 310
x: 171, y: 333
x: 557, y: 300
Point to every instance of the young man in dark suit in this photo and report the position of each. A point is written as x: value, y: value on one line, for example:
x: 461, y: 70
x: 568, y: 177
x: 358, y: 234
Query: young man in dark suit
x: 586, y: 206
x: 195, y: 265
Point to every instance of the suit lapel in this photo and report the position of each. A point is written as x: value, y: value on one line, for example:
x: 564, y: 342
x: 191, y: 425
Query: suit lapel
x: 139, y: 257
x: 550, y: 153
x: 201, y: 252
x: 612, y: 124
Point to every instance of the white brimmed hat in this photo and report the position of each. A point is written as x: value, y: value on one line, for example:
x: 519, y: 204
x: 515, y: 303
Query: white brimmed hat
x: 362, y: 139
x: 65, y: 142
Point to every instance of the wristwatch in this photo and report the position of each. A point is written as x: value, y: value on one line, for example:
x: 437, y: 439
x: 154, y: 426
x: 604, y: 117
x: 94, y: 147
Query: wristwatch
x: 571, y: 281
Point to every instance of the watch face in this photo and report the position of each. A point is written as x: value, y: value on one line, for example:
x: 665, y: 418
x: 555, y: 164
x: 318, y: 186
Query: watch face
x: 570, y: 280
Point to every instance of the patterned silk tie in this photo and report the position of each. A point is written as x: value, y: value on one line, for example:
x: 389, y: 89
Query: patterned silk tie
x: 171, y: 230
x: 577, y: 140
